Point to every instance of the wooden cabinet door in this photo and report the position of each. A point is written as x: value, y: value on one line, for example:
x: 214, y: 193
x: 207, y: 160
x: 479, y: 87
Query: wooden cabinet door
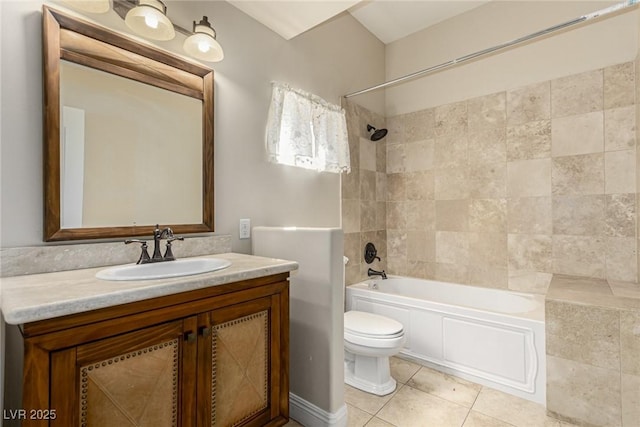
x: 134, y: 379
x: 239, y: 364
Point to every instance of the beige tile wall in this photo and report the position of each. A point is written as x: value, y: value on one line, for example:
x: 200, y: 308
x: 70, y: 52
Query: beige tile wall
x: 364, y: 193
x: 637, y: 117
x: 592, y: 345
x: 506, y: 189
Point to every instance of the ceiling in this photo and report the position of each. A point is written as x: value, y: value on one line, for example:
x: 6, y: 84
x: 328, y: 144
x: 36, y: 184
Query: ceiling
x: 388, y: 20
x: 391, y: 20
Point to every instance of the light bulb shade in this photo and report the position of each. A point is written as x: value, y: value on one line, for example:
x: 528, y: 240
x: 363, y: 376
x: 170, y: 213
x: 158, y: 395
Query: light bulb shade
x: 203, y: 44
x: 149, y: 20
x: 91, y: 6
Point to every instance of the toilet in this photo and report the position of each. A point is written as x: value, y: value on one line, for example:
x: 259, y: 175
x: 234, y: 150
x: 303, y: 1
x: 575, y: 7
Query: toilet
x: 369, y: 340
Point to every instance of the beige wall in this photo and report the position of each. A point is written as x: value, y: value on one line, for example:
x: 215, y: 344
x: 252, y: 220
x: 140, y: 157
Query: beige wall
x: 596, y: 45
x: 330, y: 60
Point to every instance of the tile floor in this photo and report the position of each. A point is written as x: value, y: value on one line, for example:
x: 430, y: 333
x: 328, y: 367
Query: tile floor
x: 425, y: 397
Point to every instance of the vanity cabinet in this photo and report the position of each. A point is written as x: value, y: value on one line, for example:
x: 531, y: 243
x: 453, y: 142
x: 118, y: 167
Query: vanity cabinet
x: 216, y: 356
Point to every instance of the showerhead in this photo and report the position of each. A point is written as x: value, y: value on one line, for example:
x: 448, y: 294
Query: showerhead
x: 377, y: 134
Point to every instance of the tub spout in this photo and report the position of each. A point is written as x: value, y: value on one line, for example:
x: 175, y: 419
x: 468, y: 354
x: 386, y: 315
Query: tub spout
x: 372, y: 272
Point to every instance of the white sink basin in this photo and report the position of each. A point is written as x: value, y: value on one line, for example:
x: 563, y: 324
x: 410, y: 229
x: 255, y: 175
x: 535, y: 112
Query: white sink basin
x: 163, y: 270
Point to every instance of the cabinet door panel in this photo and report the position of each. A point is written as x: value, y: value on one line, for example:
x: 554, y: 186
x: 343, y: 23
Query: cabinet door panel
x: 130, y: 380
x: 240, y: 359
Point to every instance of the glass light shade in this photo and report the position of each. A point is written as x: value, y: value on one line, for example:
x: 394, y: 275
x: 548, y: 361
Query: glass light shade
x: 203, y: 44
x: 148, y: 20
x: 91, y: 6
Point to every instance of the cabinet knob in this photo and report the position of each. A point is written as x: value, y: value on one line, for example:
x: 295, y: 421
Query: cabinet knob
x: 205, y: 331
x: 189, y: 336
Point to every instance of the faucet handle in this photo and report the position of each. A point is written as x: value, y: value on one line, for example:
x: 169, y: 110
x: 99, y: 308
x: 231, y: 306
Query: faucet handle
x: 144, y: 255
x: 168, y: 253
x: 370, y: 253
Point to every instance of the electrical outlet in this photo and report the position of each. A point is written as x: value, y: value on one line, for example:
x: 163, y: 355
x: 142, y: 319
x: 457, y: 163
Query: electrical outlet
x: 245, y: 228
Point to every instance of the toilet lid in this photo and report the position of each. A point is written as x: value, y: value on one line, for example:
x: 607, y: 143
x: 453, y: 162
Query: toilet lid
x: 371, y: 325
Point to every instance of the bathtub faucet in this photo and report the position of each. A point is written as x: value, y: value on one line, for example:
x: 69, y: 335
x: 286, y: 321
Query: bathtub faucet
x: 373, y: 272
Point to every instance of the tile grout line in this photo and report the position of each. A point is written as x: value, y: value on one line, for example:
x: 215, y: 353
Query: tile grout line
x: 389, y: 401
x: 395, y: 393
x: 471, y: 407
x: 369, y: 420
x: 492, y: 416
x: 620, y: 364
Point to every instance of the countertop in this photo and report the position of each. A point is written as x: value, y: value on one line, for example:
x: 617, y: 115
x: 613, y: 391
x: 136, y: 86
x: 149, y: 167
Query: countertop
x: 36, y: 297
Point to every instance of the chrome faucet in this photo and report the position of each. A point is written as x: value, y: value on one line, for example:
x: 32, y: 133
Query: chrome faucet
x: 158, y: 235
x: 372, y: 272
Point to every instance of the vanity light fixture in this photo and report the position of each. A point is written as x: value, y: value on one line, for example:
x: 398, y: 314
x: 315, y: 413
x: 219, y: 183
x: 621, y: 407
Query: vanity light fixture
x: 202, y: 44
x: 149, y: 19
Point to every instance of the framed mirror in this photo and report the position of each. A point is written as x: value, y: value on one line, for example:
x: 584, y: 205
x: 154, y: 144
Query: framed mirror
x: 128, y: 135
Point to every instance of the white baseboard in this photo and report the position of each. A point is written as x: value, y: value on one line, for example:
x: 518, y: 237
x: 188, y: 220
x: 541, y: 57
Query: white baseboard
x: 309, y: 415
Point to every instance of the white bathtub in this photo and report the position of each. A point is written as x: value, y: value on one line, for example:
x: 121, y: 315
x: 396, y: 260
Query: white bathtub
x: 488, y: 336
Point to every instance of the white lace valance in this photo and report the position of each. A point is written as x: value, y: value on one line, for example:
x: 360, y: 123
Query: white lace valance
x: 305, y: 130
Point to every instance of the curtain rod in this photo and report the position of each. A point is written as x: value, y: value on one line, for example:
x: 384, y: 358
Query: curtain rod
x: 594, y: 15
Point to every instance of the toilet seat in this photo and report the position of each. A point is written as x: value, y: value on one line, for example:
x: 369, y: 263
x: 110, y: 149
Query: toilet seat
x: 372, y: 330
x: 369, y: 324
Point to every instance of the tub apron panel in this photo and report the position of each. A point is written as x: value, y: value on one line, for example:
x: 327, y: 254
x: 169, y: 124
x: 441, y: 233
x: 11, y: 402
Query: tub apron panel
x: 502, y: 351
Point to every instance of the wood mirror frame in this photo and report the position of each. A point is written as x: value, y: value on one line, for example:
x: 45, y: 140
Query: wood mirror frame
x: 68, y: 38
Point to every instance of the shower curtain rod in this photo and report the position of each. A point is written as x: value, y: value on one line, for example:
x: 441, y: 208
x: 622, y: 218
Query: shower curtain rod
x: 594, y: 15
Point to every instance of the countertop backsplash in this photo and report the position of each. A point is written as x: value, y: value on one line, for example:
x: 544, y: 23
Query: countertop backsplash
x: 48, y: 259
